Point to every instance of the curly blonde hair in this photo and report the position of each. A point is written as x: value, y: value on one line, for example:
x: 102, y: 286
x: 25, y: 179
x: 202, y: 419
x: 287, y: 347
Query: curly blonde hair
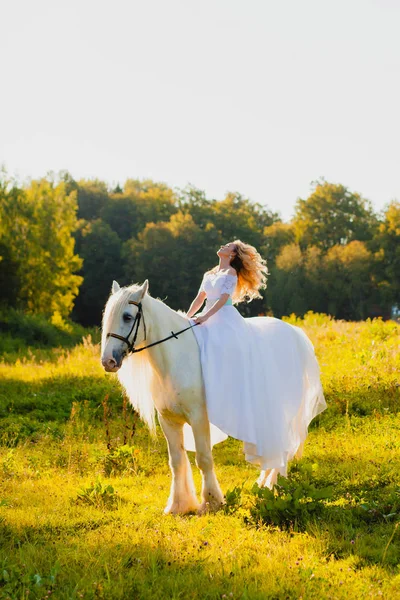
x: 251, y: 271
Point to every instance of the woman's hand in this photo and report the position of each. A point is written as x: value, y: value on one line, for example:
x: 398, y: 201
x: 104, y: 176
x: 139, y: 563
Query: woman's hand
x: 211, y: 311
x: 200, y: 319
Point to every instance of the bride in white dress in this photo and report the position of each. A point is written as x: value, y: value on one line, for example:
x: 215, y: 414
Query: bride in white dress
x: 261, y: 377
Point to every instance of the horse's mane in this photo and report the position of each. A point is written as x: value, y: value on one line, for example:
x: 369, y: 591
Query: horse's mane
x: 136, y: 374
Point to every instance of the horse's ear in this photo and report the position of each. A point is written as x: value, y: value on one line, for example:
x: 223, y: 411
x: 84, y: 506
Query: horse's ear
x: 144, y: 289
x: 115, y: 287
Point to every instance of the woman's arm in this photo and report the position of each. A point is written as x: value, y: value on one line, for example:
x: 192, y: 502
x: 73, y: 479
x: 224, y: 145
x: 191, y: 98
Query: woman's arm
x: 215, y: 308
x: 196, y: 304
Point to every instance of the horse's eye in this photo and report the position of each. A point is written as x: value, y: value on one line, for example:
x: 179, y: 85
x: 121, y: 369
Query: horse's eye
x: 127, y: 318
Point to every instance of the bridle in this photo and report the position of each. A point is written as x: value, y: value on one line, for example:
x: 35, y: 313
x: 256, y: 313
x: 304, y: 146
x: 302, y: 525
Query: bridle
x: 135, y: 329
x: 136, y: 323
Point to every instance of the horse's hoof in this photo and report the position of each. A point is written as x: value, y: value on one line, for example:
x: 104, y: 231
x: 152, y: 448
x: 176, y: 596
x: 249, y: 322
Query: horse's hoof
x: 204, y: 508
x: 211, y: 505
x: 181, y: 508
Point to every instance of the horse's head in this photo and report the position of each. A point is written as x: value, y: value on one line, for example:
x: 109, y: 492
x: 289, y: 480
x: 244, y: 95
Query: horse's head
x: 121, y: 322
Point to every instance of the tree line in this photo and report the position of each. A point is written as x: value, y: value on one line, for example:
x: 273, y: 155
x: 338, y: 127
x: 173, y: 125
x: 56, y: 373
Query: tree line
x: 63, y: 241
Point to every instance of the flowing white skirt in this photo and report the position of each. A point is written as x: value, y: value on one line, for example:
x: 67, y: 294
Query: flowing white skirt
x: 262, y: 385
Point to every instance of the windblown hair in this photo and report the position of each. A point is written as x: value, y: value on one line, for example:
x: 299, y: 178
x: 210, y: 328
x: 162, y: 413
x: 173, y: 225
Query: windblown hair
x: 251, y: 270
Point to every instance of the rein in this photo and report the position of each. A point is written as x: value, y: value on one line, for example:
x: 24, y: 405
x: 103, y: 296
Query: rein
x: 136, y: 322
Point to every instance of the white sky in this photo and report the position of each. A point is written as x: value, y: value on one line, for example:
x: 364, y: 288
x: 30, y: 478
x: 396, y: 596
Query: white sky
x: 255, y: 96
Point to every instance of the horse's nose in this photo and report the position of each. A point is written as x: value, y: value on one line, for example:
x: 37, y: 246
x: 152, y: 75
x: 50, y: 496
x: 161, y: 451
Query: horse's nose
x: 110, y: 364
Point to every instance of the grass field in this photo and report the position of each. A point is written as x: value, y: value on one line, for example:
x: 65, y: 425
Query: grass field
x: 83, y: 487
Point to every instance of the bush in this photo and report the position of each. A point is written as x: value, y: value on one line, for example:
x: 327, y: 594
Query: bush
x: 233, y: 500
x: 19, y: 330
x: 289, y: 504
x: 121, y: 461
x: 98, y: 495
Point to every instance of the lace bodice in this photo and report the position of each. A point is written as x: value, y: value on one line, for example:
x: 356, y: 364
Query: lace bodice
x: 216, y: 284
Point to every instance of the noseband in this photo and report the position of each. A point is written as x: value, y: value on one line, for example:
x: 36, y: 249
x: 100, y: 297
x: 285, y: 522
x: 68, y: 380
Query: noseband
x: 135, y: 326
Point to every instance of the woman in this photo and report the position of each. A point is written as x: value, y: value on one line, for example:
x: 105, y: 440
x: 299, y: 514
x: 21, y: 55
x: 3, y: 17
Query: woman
x: 260, y: 374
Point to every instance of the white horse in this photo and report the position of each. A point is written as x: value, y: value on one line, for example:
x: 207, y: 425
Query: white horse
x: 166, y: 377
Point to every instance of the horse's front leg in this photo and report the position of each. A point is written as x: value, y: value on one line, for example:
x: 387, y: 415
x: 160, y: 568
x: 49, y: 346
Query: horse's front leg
x: 182, y: 497
x: 212, y: 497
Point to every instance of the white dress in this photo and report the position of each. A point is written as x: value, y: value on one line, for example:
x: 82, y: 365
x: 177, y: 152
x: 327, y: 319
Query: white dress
x: 261, y: 379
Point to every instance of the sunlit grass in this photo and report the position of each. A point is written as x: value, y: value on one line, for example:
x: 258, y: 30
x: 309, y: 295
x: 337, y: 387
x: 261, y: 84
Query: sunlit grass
x: 54, y: 450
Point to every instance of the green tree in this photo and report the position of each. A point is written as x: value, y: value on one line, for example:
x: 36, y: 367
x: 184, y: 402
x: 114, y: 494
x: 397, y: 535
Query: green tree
x: 13, y: 221
x: 122, y: 214
x: 9, y: 280
x: 315, y: 291
x: 234, y: 217
x: 100, y: 248
x: 194, y: 202
x: 348, y: 280
x: 333, y: 215
x: 157, y: 201
x: 276, y: 236
x: 92, y: 198
x: 238, y: 218
x: 37, y: 223
x: 286, y: 282
x: 49, y: 280
x: 140, y: 203
x: 386, y: 245
x: 339, y: 282
x: 173, y: 255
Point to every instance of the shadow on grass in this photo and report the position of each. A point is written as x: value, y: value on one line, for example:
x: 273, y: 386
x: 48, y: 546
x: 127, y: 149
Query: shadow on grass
x: 368, y: 533
x: 79, y: 561
x: 31, y: 408
x: 363, y: 515
x: 376, y: 397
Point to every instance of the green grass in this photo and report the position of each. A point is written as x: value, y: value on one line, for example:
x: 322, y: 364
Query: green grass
x: 19, y: 330
x: 82, y: 497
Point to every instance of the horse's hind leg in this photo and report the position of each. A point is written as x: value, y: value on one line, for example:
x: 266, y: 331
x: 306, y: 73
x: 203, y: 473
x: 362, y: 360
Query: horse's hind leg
x: 269, y: 477
x: 182, y: 498
x: 262, y: 480
x: 212, y: 497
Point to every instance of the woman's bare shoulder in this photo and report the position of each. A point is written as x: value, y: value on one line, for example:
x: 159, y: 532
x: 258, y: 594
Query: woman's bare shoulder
x: 213, y: 270
x: 216, y: 271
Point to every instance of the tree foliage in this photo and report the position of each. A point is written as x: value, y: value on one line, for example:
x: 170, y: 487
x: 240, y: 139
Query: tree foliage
x: 127, y: 213
x: 59, y: 237
x: 173, y: 255
x: 100, y: 248
x: 347, y: 279
x: 387, y: 247
x: 37, y: 223
x: 333, y: 215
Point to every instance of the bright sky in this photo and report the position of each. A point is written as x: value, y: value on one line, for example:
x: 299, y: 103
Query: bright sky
x: 256, y: 96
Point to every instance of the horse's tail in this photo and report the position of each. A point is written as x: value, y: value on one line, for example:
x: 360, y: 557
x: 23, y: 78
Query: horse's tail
x: 136, y: 376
